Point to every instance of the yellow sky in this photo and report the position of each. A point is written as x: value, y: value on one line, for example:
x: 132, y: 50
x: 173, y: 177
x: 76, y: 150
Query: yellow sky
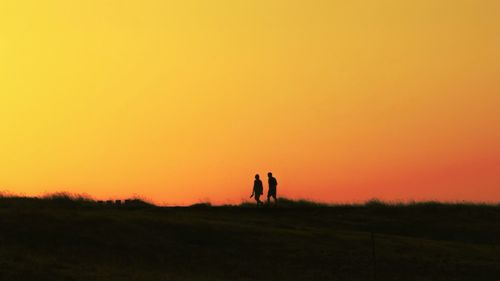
x: 181, y: 101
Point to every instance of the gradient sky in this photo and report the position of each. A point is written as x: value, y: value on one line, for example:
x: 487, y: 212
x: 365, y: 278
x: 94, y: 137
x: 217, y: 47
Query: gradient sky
x: 183, y: 101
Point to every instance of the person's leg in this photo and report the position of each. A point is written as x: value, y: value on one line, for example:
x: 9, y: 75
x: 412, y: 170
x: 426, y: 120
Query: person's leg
x: 272, y: 193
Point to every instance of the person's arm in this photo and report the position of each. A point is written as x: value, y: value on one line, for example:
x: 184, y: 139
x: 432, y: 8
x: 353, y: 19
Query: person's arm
x: 253, y: 192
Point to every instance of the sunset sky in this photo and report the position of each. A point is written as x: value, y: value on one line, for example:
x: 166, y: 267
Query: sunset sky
x: 185, y: 101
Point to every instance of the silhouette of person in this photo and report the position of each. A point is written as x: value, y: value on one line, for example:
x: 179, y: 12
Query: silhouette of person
x: 258, y: 190
x: 273, y: 183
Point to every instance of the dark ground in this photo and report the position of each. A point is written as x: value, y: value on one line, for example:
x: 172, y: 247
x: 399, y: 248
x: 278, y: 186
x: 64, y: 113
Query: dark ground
x: 62, y: 239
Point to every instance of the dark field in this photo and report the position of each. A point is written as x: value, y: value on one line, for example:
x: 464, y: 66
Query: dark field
x: 63, y: 239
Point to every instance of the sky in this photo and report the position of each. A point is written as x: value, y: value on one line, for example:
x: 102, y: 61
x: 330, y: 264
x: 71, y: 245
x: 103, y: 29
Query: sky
x: 185, y: 101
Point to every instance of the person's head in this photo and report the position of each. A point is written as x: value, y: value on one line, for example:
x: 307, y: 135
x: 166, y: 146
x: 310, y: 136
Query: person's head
x: 269, y: 174
x: 257, y: 176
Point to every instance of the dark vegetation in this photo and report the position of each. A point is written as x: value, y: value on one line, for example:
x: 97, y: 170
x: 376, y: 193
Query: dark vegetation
x: 63, y: 237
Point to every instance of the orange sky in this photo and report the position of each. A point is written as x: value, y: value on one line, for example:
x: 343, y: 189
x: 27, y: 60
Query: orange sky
x: 182, y: 101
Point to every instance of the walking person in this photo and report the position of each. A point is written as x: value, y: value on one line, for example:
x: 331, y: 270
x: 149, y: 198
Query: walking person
x: 258, y: 190
x: 273, y: 183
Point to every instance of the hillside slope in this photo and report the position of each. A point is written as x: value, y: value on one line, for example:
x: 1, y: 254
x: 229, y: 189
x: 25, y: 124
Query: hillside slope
x: 48, y: 240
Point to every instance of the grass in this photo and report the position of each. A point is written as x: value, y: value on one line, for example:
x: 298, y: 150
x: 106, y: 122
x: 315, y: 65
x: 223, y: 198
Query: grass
x: 67, y: 237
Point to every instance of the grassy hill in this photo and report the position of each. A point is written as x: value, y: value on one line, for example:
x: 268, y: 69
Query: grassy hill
x: 62, y: 238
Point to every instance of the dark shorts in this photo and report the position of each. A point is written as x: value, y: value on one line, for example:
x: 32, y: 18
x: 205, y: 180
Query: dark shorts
x: 271, y: 193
